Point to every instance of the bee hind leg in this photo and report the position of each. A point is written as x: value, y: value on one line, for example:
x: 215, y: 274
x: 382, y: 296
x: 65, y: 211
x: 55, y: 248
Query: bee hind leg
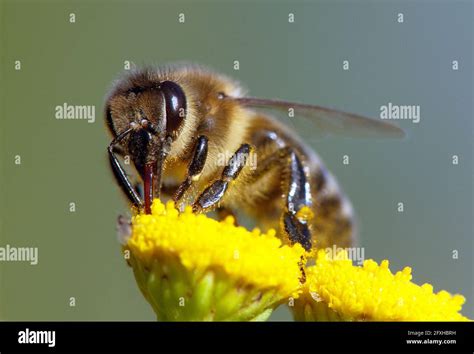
x: 297, y: 195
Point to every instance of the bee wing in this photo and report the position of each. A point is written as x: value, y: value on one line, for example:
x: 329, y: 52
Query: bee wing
x: 328, y: 121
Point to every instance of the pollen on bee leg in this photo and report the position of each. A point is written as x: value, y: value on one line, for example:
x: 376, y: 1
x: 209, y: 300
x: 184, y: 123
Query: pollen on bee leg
x: 305, y: 214
x: 195, y: 178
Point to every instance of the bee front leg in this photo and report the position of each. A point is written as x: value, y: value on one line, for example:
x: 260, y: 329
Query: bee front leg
x: 121, y: 175
x: 213, y: 194
x: 194, y: 169
x: 137, y: 185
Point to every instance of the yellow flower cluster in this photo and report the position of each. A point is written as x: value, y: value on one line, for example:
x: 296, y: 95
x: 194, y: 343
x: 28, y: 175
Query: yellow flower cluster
x: 191, y: 267
x: 342, y: 291
x: 256, y: 258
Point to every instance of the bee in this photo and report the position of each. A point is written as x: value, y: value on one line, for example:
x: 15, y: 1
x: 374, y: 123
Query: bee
x: 191, y: 134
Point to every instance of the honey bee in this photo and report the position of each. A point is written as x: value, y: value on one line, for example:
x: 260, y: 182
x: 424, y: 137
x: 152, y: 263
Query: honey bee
x: 176, y: 123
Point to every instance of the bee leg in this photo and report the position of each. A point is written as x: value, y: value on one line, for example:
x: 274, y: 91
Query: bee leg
x: 121, y: 175
x: 194, y: 169
x: 138, y: 186
x: 139, y: 189
x: 213, y: 194
x: 297, y: 196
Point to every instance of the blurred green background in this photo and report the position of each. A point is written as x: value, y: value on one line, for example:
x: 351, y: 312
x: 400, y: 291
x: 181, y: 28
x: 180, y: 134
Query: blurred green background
x: 64, y: 161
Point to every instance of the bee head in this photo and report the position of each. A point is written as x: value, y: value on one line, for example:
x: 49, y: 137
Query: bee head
x: 159, y: 109
x: 154, y: 114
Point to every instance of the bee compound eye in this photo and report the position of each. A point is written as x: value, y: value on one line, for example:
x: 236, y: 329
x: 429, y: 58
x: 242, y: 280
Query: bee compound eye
x: 175, y: 101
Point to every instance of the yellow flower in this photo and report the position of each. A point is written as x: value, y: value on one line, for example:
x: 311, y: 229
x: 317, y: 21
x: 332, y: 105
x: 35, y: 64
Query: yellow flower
x: 338, y: 291
x: 191, y: 267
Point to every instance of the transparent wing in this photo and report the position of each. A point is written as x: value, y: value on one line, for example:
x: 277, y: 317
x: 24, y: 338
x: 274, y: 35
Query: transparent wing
x: 326, y: 120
